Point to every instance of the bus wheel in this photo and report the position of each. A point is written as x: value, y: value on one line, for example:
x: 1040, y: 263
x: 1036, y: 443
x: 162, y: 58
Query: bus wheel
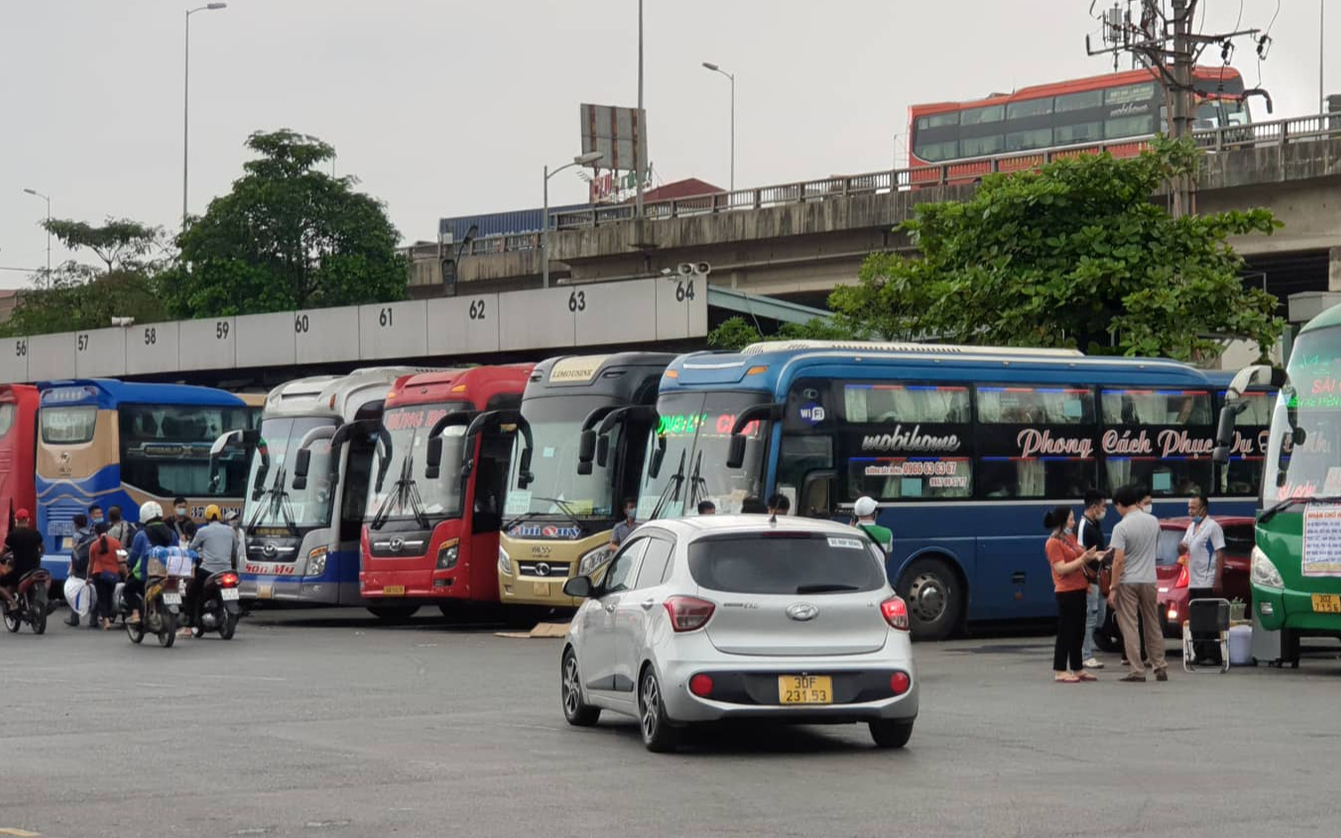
x: 935, y: 601
x: 393, y: 613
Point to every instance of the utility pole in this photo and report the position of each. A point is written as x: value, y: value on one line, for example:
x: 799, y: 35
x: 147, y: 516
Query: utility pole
x: 1163, y: 41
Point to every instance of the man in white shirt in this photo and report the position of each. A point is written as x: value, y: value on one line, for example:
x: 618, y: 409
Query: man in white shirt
x: 1204, y: 547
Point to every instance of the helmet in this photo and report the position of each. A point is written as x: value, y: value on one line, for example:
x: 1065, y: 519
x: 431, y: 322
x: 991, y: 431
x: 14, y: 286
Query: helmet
x: 212, y: 512
x: 864, y: 507
x: 150, y: 510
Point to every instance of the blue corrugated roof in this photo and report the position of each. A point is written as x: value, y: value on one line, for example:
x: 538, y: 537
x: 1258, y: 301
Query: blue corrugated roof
x: 510, y: 223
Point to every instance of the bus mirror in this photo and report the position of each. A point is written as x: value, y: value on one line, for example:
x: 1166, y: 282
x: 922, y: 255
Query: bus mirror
x: 1300, y: 436
x: 302, y: 463
x: 524, y: 476
x: 654, y: 466
x: 586, y: 449
x: 735, y: 458
x: 602, y: 451
x: 433, y: 459
x: 224, y: 441
x: 299, y: 482
x: 1224, y: 435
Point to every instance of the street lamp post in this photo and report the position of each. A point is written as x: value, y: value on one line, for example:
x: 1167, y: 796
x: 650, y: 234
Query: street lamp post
x: 46, y: 198
x: 580, y: 160
x: 709, y: 65
x: 186, y: 99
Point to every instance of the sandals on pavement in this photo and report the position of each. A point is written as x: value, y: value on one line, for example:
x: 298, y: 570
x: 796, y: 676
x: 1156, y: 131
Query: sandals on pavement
x: 1065, y: 678
x: 1085, y: 676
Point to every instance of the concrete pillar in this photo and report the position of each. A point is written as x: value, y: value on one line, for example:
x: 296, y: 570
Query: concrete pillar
x: 1334, y: 269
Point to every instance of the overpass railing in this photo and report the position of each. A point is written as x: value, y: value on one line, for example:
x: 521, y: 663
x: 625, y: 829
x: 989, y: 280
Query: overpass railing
x: 958, y: 172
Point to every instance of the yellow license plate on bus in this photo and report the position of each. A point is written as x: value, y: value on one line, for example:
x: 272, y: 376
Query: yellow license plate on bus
x: 1327, y: 603
x: 265, y: 590
x: 805, y: 689
x: 540, y: 589
x: 393, y: 590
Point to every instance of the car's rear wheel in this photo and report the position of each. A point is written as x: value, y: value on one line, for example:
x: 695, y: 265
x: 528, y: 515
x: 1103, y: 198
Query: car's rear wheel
x: 889, y: 733
x: 658, y: 734
x: 578, y: 713
x: 935, y: 601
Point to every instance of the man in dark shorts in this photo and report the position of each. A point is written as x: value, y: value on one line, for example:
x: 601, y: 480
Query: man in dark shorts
x: 24, y: 547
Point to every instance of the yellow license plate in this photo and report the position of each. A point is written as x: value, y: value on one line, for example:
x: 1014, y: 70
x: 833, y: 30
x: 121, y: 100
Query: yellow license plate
x: 540, y: 589
x: 1327, y: 603
x: 265, y: 590
x: 805, y: 689
x: 393, y: 590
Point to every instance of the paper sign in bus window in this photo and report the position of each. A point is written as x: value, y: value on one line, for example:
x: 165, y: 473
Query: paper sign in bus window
x: 1322, y: 540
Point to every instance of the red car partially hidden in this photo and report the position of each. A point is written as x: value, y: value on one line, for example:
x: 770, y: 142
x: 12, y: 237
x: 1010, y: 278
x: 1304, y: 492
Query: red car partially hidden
x: 1172, y: 571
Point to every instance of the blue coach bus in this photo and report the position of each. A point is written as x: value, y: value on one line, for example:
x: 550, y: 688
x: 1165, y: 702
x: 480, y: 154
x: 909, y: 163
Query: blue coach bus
x: 963, y: 447
x: 115, y: 443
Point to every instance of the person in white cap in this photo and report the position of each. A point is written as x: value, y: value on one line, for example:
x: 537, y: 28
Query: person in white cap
x: 864, y: 510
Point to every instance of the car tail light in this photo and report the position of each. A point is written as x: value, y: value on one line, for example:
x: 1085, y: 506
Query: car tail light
x: 1182, y: 578
x: 701, y: 685
x: 895, y: 611
x: 228, y: 580
x: 899, y: 682
x: 688, y: 613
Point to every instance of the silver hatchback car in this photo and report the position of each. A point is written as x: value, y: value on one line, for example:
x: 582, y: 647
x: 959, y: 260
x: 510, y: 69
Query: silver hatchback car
x: 737, y: 616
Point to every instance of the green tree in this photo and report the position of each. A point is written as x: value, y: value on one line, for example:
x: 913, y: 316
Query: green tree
x: 287, y: 236
x: 1074, y: 255
x: 76, y: 296
x: 738, y: 333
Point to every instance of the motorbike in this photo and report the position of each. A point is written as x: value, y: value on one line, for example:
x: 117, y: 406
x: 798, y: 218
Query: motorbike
x: 33, y: 603
x: 162, y: 605
x: 217, y: 607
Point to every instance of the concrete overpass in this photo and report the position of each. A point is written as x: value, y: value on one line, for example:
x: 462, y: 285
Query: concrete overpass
x: 800, y: 240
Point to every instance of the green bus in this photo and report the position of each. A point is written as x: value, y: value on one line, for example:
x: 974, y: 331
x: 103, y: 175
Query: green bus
x: 1296, y: 563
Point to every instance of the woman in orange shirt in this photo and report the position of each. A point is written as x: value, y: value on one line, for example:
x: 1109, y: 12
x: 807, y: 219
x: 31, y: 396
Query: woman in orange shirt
x: 105, y: 571
x: 1068, y: 562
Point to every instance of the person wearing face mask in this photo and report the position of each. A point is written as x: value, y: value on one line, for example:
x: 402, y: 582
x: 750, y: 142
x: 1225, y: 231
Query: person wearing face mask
x: 1204, y: 548
x: 1068, y: 560
x: 627, y: 525
x: 94, y: 516
x: 181, y: 522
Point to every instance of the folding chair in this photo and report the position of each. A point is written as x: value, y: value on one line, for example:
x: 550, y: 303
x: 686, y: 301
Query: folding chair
x: 1207, y: 620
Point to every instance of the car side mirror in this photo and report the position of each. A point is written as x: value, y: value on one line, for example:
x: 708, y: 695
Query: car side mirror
x: 579, y: 587
x: 433, y: 459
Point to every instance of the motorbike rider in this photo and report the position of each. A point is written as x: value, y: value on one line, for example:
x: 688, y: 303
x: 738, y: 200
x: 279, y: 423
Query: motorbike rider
x: 25, y: 548
x: 217, y: 547
x: 154, y: 532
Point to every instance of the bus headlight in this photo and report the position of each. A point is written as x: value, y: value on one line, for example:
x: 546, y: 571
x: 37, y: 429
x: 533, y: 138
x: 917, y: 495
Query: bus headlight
x: 504, y: 562
x: 1264, y: 572
x: 447, y: 555
x: 316, y: 561
x: 594, y: 559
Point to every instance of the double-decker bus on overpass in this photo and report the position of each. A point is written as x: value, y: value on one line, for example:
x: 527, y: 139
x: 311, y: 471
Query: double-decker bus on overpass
x: 1120, y: 110
x: 430, y: 534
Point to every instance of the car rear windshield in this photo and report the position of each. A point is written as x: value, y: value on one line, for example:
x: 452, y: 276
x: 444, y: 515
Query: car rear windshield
x: 1166, y: 551
x: 785, y: 563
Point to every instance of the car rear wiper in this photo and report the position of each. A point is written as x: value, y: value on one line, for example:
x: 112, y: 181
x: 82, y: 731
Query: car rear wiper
x: 1271, y: 511
x: 826, y: 588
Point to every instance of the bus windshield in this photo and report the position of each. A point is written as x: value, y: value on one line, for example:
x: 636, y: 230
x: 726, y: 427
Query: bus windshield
x: 399, y: 489
x: 1302, y: 465
x: 556, y: 424
x: 272, y: 504
x: 165, y: 450
x: 695, y: 433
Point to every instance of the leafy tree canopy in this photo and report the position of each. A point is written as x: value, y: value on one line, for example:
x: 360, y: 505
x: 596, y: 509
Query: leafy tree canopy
x: 1074, y: 255
x: 287, y: 236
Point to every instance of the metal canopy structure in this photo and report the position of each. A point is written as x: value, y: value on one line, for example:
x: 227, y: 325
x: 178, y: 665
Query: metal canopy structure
x: 759, y: 306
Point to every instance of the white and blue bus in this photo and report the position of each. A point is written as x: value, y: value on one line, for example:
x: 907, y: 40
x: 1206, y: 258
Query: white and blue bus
x: 964, y: 448
x: 308, y: 484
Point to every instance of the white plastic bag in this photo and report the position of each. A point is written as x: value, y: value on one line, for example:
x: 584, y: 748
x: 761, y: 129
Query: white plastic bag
x: 80, y: 596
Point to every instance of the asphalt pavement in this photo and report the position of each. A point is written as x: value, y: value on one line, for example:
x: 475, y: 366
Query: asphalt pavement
x: 326, y: 724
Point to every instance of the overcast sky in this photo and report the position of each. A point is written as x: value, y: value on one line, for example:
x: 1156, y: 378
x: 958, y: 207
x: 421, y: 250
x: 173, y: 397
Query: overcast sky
x: 447, y: 107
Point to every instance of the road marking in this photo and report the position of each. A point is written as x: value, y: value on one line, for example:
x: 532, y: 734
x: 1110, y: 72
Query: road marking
x: 324, y: 824
x: 20, y: 833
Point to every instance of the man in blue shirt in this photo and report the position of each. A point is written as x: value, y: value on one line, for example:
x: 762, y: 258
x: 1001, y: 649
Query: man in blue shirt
x: 155, y: 533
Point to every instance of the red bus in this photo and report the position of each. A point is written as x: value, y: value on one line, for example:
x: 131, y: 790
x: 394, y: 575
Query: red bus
x: 18, y: 451
x: 1119, y: 110
x: 436, y: 489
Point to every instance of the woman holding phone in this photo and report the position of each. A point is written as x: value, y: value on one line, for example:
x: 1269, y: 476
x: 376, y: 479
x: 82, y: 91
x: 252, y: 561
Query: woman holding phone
x: 1068, y: 562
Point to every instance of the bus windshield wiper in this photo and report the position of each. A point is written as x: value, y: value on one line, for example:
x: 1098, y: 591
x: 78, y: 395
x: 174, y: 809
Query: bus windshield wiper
x: 278, y: 502
x: 698, y: 487
x: 405, y: 494
x: 1271, y: 511
x: 672, y: 485
x: 564, y: 508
